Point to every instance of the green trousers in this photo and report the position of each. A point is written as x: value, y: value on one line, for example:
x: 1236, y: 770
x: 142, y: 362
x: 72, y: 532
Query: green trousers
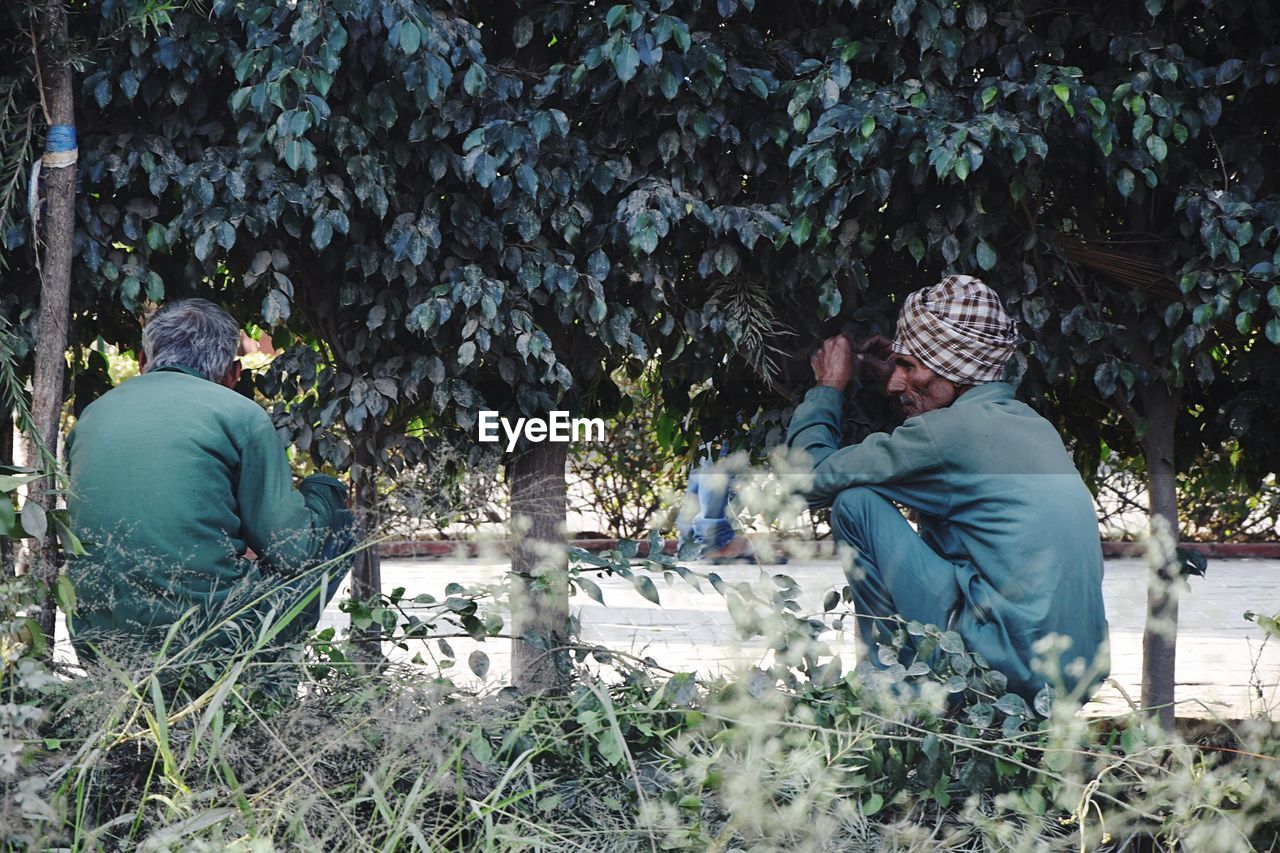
x: 895, y: 573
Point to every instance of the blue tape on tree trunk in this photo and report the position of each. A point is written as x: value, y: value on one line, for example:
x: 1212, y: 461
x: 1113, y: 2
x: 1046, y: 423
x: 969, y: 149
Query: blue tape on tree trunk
x: 62, y: 137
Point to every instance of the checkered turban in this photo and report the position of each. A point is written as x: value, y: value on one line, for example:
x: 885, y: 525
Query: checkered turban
x: 959, y: 329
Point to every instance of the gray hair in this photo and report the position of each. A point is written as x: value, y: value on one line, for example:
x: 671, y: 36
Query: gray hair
x: 194, y: 333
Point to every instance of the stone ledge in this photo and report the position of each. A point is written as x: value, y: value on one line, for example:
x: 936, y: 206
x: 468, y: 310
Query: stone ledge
x: 453, y: 548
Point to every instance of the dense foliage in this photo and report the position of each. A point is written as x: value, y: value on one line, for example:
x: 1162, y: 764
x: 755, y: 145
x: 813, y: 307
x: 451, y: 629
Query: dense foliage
x: 493, y: 204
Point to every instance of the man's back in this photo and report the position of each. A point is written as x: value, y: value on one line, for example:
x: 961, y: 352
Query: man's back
x: 172, y: 478
x: 1021, y: 528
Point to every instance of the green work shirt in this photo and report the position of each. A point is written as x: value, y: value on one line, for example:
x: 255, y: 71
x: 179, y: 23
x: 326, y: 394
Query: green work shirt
x: 998, y: 497
x: 173, y: 477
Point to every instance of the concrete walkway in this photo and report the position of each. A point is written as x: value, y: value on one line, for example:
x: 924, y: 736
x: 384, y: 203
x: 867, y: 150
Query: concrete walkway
x: 1224, y: 668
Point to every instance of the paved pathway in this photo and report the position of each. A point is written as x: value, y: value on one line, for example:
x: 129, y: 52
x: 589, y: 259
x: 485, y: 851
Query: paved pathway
x: 1224, y: 668
x: 1222, y: 660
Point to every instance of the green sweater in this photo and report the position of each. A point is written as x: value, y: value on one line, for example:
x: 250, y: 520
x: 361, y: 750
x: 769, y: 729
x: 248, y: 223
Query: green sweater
x: 173, y: 477
x: 998, y: 496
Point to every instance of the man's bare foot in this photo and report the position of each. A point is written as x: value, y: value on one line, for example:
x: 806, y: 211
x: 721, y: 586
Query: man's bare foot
x: 737, y: 548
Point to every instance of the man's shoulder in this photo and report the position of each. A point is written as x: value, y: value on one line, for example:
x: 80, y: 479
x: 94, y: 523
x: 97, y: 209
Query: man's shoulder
x: 175, y: 392
x: 991, y: 409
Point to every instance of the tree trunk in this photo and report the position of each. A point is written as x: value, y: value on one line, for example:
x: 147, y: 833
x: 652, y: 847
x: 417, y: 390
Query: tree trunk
x: 1159, y: 639
x: 366, y: 570
x: 55, y: 289
x: 540, y: 591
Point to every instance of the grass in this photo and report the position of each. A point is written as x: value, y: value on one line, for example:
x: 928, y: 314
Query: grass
x: 801, y: 756
x: 399, y: 759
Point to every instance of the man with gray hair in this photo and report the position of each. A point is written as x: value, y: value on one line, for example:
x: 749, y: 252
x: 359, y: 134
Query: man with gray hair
x: 1007, y: 552
x: 184, y: 495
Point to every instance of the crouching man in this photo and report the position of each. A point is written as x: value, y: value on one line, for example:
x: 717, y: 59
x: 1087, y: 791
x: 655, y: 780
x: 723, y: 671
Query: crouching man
x: 183, y: 491
x: 1007, y: 551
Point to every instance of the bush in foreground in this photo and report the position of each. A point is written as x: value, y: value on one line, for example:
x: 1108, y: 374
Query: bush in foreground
x: 798, y: 756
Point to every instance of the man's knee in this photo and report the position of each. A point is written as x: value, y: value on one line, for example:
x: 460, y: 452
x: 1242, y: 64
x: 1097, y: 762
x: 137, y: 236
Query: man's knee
x: 851, y: 512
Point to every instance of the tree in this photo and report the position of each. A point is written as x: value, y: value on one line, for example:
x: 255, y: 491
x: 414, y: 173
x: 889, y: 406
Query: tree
x: 405, y: 194
x: 51, y: 59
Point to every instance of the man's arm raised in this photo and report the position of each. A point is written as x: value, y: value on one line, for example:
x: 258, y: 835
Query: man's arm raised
x: 906, y: 456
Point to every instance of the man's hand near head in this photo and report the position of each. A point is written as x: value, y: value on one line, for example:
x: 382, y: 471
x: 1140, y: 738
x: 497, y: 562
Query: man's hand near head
x: 833, y: 364
x: 840, y: 360
x: 873, y: 356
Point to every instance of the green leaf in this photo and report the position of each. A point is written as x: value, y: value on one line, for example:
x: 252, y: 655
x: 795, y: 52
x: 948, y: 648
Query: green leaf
x: 1159, y: 150
x: 645, y: 587
x: 825, y: 169
x: 800, y: 230
x: 34, y: 520
x: 239, y: 98
x: 872, y: 805
x: 10, y: 482
x: 474, y: 81
x: 726, y: 260
x: 975, y: 15
x: 610, y: 747
x: 70, y: 542
x: 321, y: 232
x: 986, y: 255
x: 410, y: 37
x: 591, y: 588
x: 1013, y: 705
x: 669, y: 85
x: 868, y: 126
x: 478, y: 661
x: 626, y: 61
x: 1062, y: 91
x: 1142, y: 127
x: 1124, y: 182
x: 293, y: 154
x: 680, y: 32
x: 744, y: 618
x: 275, y: 308
x: 1273, y: 331
x: 64, y: 592
x: 466, y: 353
x: 480, y: 748
x: 522, y: 32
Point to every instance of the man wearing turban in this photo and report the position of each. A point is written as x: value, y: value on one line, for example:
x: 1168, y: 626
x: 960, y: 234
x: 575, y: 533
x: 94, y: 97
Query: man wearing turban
x: 1006, y: 549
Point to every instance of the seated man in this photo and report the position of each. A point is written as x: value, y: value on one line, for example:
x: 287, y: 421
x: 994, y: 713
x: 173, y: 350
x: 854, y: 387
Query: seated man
x: 177, y: 482
x: 1008, y: 550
